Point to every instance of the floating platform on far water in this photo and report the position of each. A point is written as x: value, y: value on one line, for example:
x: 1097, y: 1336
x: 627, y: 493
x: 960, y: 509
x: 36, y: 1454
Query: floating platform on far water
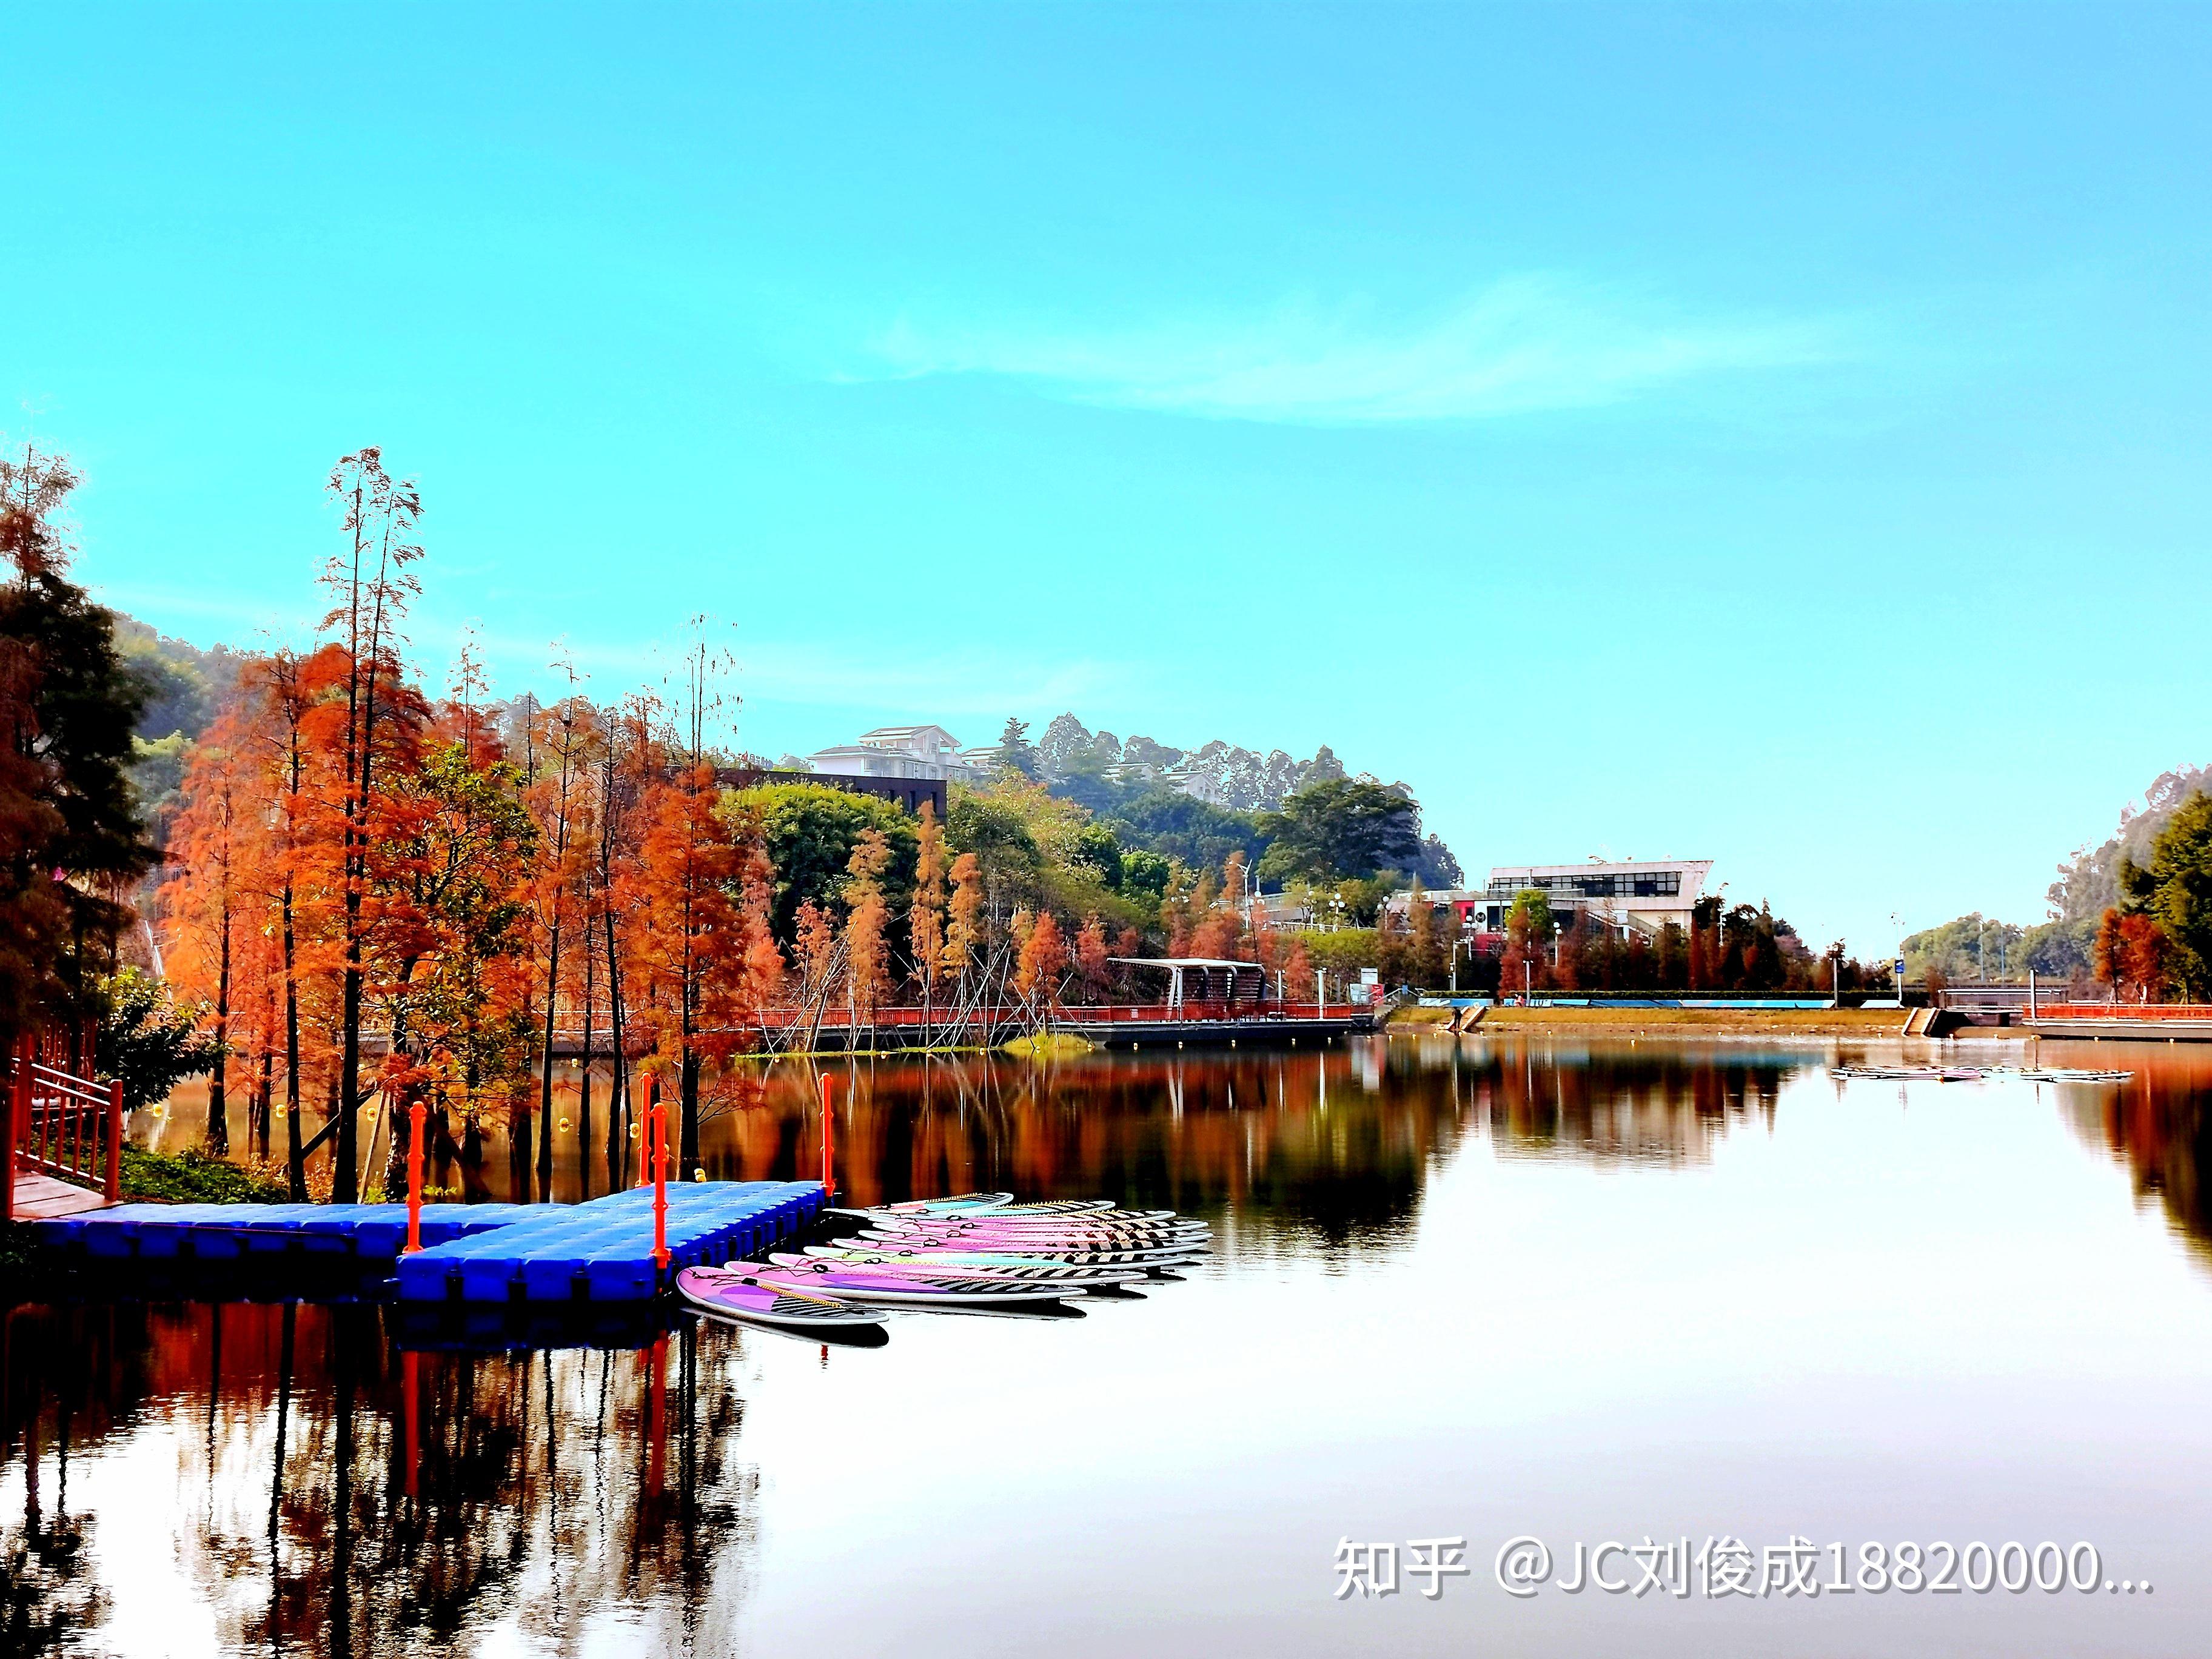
x: 1257, y: 1032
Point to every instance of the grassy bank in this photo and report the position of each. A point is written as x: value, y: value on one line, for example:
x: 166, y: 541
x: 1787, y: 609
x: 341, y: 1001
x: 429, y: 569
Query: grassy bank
x: 1049, y: 1045
x: 193, y: 1177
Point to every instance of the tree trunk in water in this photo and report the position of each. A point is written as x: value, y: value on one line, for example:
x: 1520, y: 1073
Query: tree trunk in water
x: 296, y: 1165
x: 218, y: 1118
x: 584, y: 1080
x: 618, y: 1083
x: 345, y: 1179
x: 545, y: 1071
x: 518, y: 1154
x: 687, y: 1159
x: 262, y: 1098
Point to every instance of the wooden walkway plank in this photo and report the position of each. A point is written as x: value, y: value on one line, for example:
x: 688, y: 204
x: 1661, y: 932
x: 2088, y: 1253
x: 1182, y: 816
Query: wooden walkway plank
x: 42, y: 1198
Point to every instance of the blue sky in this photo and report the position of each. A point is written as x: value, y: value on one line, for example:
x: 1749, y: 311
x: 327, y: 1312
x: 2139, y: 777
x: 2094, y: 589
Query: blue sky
x: 1774, y: 433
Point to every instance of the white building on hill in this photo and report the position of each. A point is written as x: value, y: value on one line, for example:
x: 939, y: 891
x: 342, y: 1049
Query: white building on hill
x: 902, y: 751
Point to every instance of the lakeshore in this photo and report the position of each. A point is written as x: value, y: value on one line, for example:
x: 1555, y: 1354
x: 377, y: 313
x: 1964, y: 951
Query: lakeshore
x: 1691, y: 1024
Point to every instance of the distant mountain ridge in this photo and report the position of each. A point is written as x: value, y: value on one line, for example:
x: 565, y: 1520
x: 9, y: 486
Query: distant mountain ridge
x: 1221, y: 774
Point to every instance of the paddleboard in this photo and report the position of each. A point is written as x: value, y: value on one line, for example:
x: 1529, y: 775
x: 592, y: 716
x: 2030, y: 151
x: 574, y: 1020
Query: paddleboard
x: 1096, y: 1211
x: 1020, y: 1246
x: 733, y: 1296
x: 992, y: 1204
x: 1150, y: 1261
x: 1020, y: 1243
x: 1024, y: 1237
x: 892, y: 1290
x: 1001, y: 1268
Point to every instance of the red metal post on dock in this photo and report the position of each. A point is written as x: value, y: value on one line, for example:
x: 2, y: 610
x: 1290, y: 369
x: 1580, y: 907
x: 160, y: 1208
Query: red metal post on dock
x: 112, y: 1185
x: 658, y: 1110
x: 14, y: 1111
x: 415, y: 1116
x: 829, y: 1120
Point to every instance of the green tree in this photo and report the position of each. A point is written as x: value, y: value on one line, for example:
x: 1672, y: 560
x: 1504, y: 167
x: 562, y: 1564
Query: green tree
x: 2174, y: 889
x: 1036, y: 850
x: 1531, y: 914
x: 1096, y: 849
x: 1016, y: 752
x: 1195, y: 833
x: 1340, y: 828
x: 1146, y: 875
x: 810, y: 830
x: 147, y: 1041
x: 68, y: 707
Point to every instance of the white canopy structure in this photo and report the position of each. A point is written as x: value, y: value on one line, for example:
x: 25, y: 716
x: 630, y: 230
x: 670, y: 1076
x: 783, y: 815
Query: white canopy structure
x: 1230, y: 975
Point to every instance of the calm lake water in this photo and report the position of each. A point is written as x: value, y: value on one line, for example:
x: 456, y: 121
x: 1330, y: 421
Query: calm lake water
x: 1478, y: 1290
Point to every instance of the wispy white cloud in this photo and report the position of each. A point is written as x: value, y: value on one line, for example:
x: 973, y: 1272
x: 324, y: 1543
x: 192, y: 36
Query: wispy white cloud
x: 1521, y: 345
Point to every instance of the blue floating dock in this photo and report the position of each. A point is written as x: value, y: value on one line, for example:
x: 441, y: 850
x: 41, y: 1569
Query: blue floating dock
x: 597, y: 1251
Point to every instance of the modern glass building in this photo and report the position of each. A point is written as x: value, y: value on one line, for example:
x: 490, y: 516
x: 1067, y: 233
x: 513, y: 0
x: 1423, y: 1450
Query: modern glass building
x: 1635, y: 896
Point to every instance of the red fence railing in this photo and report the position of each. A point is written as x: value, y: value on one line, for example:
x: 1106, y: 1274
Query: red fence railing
x: 1080, y: 1013
x: 53, y: 1123
x: 2128, y: 1011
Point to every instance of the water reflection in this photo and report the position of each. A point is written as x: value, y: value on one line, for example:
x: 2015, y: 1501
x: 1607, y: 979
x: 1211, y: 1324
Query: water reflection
x: 328, y: 1478
x: 2158, y: 1124
x: 1617, y: 1104
x: 330, y: 1490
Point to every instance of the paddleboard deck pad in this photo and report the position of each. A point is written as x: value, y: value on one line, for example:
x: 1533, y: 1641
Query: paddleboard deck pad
x: 734, y: 1296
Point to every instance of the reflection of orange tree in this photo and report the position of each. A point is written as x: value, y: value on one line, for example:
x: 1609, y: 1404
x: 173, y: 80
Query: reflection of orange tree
x: 545, y: 1486
x: 2158, y: 1125
x: 1286, y: 1136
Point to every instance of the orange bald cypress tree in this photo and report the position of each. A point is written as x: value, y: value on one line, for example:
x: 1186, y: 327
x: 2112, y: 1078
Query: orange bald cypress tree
x: 690, y: 940
x: 964, y: 934
x: 1043, y: 954
x: 211, y: 906
x: 926, y: 921
x: 867, y: 958
x: 1091, y: 957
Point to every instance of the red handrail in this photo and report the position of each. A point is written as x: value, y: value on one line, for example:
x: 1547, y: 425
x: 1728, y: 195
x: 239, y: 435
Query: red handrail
x: 785, y: 1019
x: 61, y: 1125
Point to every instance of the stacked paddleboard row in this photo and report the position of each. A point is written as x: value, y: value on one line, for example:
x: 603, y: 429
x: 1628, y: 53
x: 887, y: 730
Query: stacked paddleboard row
x: 981, y: 1250
x: 1978, y: 1073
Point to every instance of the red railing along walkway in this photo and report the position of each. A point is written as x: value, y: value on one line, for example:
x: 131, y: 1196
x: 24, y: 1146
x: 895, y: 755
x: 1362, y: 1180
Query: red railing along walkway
x: 63, y: 1139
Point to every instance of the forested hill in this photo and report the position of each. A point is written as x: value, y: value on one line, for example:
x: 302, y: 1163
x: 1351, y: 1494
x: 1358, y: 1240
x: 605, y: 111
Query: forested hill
x: 1197, y: 805
x: 1194, y: 806
x: 1077, y: 760
x: 1975, y: 946
x: 186, y: 685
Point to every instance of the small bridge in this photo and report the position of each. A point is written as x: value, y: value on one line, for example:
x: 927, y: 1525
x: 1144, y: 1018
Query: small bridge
x: 63, y: 1136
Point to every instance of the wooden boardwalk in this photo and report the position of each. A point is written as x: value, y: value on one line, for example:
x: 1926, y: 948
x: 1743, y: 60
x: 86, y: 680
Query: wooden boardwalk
x: 42, y: 1198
